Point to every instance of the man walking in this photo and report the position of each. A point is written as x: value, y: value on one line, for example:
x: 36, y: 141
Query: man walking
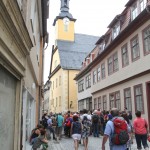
x: 95, y: 124
x: 49, y: 122
x: 60, y: 120
x: 110, y: 132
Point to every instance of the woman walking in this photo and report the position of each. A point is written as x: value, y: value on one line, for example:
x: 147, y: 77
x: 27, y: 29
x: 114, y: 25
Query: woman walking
x: 75, y: 131
x: 86, y: 131
x: 141, y: 129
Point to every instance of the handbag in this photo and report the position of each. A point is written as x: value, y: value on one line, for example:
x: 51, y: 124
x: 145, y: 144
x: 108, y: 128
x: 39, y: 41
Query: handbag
x: 148, y: 138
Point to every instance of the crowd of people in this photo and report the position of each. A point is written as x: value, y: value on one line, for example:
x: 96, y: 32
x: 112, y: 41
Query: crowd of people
x: 115, y: 125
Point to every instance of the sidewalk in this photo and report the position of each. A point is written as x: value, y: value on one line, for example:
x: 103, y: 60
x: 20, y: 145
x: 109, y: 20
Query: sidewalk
x: 67, y: 144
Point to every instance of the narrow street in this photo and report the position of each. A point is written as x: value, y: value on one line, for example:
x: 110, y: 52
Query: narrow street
x: 67, y: 144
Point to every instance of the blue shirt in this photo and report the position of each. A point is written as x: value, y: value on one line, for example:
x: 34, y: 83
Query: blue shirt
x: 49, y: 121
x: 109, y: 130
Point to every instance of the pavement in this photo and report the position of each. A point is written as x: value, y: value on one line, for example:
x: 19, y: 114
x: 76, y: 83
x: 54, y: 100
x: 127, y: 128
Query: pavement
x: 67, y: 144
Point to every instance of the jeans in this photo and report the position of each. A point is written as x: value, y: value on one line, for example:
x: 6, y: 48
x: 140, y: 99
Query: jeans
x: 51, y: 131
x: 95, y: 129
x: 141, y: 138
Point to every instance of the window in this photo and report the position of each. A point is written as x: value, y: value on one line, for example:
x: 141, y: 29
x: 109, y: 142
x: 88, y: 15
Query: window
x: 56, y: 82
x: 116, y: 30
x: 103, y: 70
x: 52, y: 103
x: 59, y: 80
x: 56, y: 102
x: 134, y: 11
x: 113, y: 63
x: 138, y: 96
x: 81, y: 86
x: 98, y: 74
x: 95, y: 103
x: 104, y: 102
x: 127, y: 99
x: 125, y: 57
x: 59, y: 100
x: 118, y: 102
x: 55, y: 64
x: 135, y: 48
x: 81, y: 105
x: 66, y: 27
x: 88, y: 81
x: 99, y: 102
x: 101, y: 47
x: 112, y: 100
x: 115, y: 100
x: 110, y: 65
x: 94, y: 77
x: 142, y: 4
x: 87, y: 103
x: 146, y: 40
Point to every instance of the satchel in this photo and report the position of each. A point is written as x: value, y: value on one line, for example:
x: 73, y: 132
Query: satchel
x: 148, y: 138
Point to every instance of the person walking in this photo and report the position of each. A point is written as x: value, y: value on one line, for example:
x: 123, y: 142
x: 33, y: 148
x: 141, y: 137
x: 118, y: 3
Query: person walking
x: 95, y: 124
x: 110, y: 132
x: 50, y: 128
x: 86, y: 131
x: 140, y: 127
x: 60, y: 121
x: 75, y: 131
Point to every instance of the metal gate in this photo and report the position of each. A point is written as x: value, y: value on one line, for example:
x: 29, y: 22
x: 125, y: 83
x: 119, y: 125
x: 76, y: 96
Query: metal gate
x: 7, y: 109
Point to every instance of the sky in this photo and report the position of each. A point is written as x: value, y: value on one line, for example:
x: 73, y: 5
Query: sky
x: 93, y: 18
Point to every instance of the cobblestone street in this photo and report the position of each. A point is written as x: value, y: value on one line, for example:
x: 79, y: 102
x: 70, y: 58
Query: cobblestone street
x: 67, y: 144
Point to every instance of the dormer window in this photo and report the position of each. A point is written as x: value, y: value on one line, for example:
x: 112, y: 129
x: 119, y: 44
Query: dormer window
x: 134, y: 11
x: 101, y: 47
x: 142, y: 4
x: 116, y: 30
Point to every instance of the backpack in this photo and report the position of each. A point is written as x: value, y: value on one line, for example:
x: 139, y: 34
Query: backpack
x: 84, y: 119
x: 76, y: 129
x: 44, y: 122
x: 120, y: 135
x: 68, y: 122
x: 95, y: 118
x: 130, y: 116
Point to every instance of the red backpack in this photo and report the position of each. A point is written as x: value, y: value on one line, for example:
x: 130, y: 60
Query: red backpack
x: 120, y: 135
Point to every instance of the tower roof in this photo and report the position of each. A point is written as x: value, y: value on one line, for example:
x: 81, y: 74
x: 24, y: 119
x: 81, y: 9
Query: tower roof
x: 64, y: 12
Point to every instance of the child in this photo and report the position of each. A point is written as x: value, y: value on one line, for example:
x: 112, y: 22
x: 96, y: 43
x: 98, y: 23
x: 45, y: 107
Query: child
x: 41, y: 140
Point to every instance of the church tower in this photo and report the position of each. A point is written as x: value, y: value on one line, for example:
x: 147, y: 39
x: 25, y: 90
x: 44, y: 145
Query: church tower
x: 64, y: 23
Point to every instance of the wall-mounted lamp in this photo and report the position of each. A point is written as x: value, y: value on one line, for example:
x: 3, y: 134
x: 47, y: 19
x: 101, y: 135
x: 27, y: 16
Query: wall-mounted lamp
x: 71, y: 102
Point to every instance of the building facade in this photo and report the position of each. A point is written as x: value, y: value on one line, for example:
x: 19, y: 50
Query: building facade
x: 67, y: 55
x: 22, y: 39
x: 120, y: 71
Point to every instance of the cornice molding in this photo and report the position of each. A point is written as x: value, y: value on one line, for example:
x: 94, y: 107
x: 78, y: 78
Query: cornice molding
x: 11, y: 58
x: 54, y: 71
x: 16, y: 25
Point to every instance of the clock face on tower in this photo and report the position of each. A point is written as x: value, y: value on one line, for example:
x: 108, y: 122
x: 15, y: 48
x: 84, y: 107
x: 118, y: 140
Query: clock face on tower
x: 66, y: 21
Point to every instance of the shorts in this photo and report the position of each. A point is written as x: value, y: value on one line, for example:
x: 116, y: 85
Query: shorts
x: 76, y: 137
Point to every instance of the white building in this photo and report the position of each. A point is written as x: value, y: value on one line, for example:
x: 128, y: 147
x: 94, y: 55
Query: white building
x: 120, y: 70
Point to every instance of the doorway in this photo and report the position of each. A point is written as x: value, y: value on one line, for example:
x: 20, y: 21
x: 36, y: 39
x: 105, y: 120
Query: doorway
x: 148, y: 100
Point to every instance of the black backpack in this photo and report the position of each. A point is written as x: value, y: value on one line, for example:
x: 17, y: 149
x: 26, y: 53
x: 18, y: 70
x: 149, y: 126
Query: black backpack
x: 44, y: 122
x: 95, y: 118
x: 84, y: 119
